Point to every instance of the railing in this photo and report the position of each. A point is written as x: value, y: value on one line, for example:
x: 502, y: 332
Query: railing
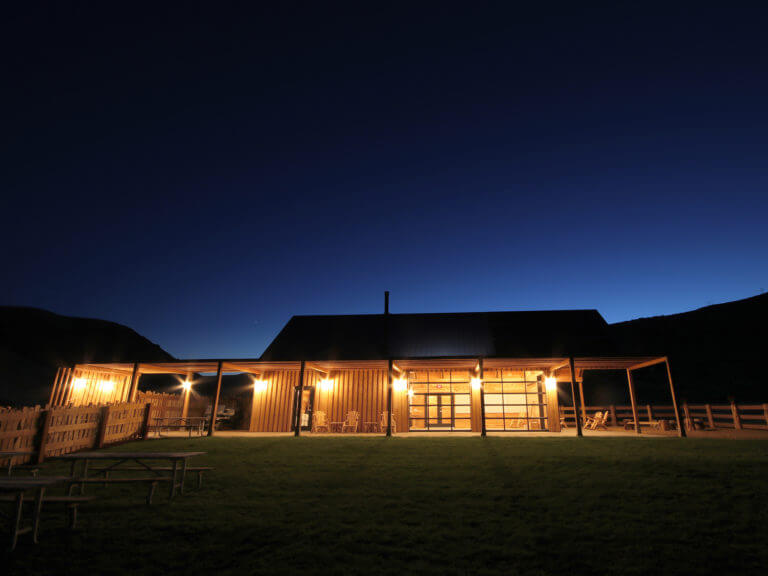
x: 708, y: 416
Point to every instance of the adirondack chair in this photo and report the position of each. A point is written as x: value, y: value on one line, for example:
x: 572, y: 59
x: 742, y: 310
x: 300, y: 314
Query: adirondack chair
x: 383, y: 422
x: 591, y: 421
x: 320, y: 422
x: 352, y: 421
x: 600, y: 422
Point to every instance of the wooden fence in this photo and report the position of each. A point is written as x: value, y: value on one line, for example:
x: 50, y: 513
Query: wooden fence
x: 163, y: 405
x: 63, y: 429
x: 714, y: 416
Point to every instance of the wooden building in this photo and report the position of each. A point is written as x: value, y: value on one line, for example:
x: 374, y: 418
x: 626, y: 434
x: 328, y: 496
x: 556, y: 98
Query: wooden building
x: 398, y: 373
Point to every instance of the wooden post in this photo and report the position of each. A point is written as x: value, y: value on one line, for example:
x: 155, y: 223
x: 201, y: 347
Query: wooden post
x: 736, y: 418
x: 389, y: 394
x: 42, y: 438
x: 55, y: 387
x: 145, y: 423
x: 710, y: 416
x: 765, y: 413
x: 215, y: 408
x: 614, y: 421
x: 583, y: 402
x: 135, y: 375
x: 649, y: 411
x: 680, y: 427
x: 299, y: 393
x: 633, y: 401
x: 575, y: 394
x: 687, y: 414
x: 103, y: 423
x: 483, y: 429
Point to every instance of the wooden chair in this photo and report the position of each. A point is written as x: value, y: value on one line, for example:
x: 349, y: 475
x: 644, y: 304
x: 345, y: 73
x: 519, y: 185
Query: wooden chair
x: 320, y: 422
x: 600, y: 422
x: 591, y: 421
x: 350, y: 424
x: 383, y: 422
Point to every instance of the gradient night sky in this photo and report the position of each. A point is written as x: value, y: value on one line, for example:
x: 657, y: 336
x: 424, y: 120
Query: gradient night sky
x: 201, y: 173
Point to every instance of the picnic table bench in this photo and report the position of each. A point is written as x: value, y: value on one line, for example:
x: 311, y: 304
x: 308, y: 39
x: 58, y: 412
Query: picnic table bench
x: 659, y: 424
x: 14, y: 490
x: 132, y: 461
x: 189, y: 423
x: 12, y: 454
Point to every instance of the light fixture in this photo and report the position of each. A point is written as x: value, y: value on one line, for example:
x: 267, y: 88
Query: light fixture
x: 107, y: 386
x: 260, y: 385
x: 550, y: 382
x: 400, y: 384
x: 326, y: 384
x: 78, y: 384
x: 410, y: 394
x: 187, y: 385
x: 477, y: 383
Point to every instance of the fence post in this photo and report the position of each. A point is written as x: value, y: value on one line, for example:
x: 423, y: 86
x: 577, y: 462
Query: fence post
x: 145, y: 424
x: 102, y: 427
x: 687, y: 413
x: 765, y: 413
x: 736, y: 418
x: 42, y: 439
x: 710, y: 417
x: 614, y: 422
x: 650, y: 412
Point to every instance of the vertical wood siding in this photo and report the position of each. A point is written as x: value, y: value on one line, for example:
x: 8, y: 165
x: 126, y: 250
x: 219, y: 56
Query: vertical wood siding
x: 272, y: 409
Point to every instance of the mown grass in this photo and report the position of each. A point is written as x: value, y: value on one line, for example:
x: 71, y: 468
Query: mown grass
x: 430, y: 506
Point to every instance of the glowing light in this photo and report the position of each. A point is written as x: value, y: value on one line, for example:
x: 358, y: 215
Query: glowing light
x: 400, y: 384
x: 551, y: 383
x: 326, y: 384
x: 260, y: 385
x: 107, y: 386
x: 78, y: 384
x: 187, y: 385
x: 410, y: 394
x: 476, y: 383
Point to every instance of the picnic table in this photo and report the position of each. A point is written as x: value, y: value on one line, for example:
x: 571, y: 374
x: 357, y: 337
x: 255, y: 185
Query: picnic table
x: 14, y: 490
x: 189, y: 423
x: 132, y: 461
x: 11, y: 454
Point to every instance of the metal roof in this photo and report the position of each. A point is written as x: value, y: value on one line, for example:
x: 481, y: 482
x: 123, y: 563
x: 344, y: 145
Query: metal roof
x: 545, y: 334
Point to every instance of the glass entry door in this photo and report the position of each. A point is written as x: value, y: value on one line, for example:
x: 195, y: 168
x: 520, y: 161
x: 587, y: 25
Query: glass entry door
x: 439, y: 411
x: 439, y: 400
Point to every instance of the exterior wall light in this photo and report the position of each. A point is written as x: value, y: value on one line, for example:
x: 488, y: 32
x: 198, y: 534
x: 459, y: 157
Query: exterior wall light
x: 260, y: 385
x: 107, y: 386
x: 400, y: 384
x: 326, y: 384
x: 187, y: 385
x: 550, y: 382
x: 476, y: 383
x: 78, y: 384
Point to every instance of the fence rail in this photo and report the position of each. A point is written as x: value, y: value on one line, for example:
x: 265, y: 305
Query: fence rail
x: 63, y: 429
x: 705, y: 416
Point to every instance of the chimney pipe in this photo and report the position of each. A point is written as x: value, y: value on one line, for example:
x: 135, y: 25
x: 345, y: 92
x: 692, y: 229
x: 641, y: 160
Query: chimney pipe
x: 386, y: 302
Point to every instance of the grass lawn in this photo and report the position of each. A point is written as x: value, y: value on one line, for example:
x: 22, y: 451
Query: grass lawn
x: 429, y: 506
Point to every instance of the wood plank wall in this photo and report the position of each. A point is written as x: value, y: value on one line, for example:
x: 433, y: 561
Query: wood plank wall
x: 65, y: 394
x: 273, y: 408
x: 364, y: 391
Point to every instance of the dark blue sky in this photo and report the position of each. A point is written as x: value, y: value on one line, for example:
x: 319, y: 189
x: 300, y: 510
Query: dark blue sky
x: 203, y: 171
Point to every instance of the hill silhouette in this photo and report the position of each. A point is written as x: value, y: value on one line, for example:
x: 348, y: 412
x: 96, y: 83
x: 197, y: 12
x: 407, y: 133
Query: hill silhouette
x: 34, y: 342
x: 714, y: 353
